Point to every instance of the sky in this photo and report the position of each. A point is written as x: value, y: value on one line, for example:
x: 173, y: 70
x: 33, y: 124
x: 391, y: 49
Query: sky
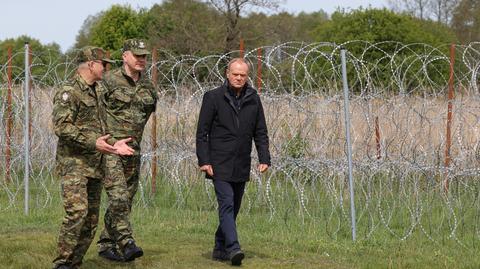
x: 60, y: 20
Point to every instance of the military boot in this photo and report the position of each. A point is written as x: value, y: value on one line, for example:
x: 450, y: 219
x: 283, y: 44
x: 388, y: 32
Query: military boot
x: 111, y: 254
x: 131, y: 251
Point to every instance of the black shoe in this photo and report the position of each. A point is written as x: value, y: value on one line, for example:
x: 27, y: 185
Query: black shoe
x: 111, y: 254
x: 220, y: 255
x: 131, y: 251
x: 236, y: 257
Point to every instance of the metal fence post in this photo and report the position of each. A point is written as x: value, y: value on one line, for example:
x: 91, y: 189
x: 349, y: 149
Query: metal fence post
x: 349, y: 145
x: 27, y: 125
x: 30, y: 96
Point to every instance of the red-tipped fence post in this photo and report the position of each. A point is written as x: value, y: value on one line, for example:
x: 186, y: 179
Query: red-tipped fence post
x: 154, y: 124
x: 451, y: 96
x: 377, y: 139
x: 242, y: 48
x: 108, y: 66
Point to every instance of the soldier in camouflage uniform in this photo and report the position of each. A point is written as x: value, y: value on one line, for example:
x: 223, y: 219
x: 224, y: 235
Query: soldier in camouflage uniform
x: 129, y: 99
x: 79, y: 152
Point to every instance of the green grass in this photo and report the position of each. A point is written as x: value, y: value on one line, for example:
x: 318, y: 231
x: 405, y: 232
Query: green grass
x: 176, y: 226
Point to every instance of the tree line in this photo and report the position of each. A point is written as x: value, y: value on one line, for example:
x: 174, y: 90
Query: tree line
x: 216, y: 26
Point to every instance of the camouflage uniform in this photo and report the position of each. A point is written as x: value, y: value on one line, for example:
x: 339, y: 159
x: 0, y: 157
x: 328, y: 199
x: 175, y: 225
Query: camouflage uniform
x: 77, y: 125
x: 128, y: 106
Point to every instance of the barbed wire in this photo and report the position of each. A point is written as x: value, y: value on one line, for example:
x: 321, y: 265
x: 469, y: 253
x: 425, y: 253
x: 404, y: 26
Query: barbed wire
x: 398, y: 110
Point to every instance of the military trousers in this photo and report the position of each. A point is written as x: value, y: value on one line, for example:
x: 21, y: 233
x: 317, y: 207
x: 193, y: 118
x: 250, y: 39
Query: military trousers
x: 81, y: 201
x: 121, y: 184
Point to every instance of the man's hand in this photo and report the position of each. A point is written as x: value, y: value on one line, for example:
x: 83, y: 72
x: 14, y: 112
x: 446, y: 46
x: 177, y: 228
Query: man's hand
x: 207, y: 169
x: 262, y: 167
x: 122, y: 148
x: 102, y: 146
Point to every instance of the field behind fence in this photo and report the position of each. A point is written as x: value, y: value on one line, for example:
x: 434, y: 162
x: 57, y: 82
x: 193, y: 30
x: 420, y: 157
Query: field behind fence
x: 398, y: 106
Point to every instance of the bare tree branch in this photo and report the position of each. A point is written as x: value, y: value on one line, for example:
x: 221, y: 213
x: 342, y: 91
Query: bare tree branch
x: 232, y: 11
x: 439, y: 10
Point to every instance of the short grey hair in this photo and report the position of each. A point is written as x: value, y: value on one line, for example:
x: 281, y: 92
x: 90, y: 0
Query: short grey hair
x: 238, y: 60
x: 83, y: 65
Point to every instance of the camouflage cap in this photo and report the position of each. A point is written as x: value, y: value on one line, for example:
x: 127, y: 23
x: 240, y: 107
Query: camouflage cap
x: 136, y: 46
x: 90, y: 53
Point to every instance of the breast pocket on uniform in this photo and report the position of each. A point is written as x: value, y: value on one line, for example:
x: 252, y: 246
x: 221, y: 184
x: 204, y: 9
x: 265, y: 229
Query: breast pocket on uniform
x: 119, y: 100
x: 87, y: 110
x: 145, y: 100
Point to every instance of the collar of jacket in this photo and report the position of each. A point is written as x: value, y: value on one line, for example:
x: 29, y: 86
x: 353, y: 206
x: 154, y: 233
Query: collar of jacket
x: 83, y: 84
x: 129, y: 78
x: 248, y: 91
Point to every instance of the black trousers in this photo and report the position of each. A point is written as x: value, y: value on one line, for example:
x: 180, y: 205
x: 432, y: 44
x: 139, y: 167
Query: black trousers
x: 229, y: 198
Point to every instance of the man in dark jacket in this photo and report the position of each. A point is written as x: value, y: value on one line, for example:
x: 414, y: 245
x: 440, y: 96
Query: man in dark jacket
x: 230, y: 117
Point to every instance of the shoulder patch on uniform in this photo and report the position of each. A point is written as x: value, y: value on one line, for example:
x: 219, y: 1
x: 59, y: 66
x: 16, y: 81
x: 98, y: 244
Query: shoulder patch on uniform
x: 65, y: 96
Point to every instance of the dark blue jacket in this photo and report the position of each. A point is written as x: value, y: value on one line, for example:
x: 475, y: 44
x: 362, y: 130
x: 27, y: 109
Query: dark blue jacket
x: 226, y: 128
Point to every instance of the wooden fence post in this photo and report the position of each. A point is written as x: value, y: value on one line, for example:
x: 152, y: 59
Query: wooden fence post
x: 108, y: 66
x: 242, y: 48
x: 377, y: 139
